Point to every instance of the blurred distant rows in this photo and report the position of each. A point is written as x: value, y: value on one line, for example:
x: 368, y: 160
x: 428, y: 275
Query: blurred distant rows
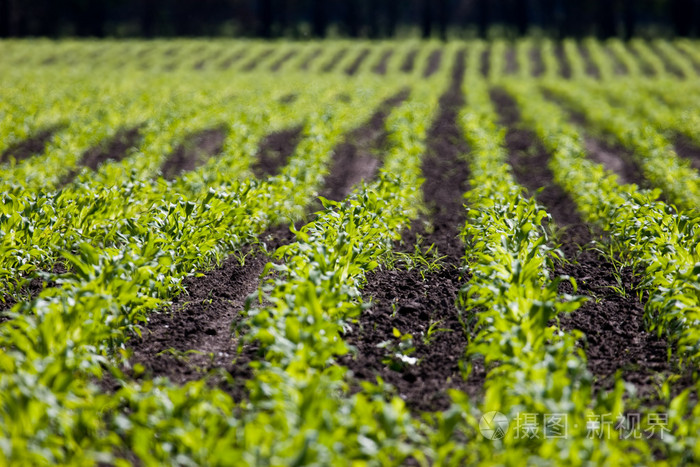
x: 298, y: 19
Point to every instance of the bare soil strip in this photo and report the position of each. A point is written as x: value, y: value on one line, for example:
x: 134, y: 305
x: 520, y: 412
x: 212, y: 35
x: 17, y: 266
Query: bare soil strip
x: 253, y: 63
x: 686, y: 149
x: 281, y: 61
x: 616, y: 338
x: 115, y: 149
x: 310, y: 58
x: 485, y: 65
x: 536, y: 58
x: 564, y: 64
x: 353, y: 159
x: 413, y: 300
x: 511, y: 61
x: 619, y: 67
x: 352, y: 69
x: 328, y: 67
x: 29, y: 291
x: 194, y: 152
x: 274, y: 151
x: 409, y: 61
x: 616, y: 159
x: 668, y: 65
x: 689, y: 57
x: 380, y: 68
x: 34, y: 145
x: 591, y: 68
x: 195, y: 339
x: 226, y: 64
x: 433, y: 65
x: 644, y: 66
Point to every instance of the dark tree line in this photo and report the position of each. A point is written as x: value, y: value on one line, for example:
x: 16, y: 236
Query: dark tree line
x: 351, y: 18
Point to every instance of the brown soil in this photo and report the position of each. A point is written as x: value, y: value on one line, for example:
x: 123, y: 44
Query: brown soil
x: 511, y: 61
x: 591, y: 68
x: 380, y: 68
x: 485, y: 65
x: 644, y: 66
x: 615, y: 336
x: 619, y: 67
x: 564, y: 64
x: 115, y: 149
x: 409, y: 62
x: 194, y: 152
x: 226, y: 64
x: 686, y: 149
x: 282, y: 60
x: 253, y: 63
x: 354, y: 159
x: 196, y: 337
x: 537, y: 63
x: 328, y: 67
x: 433, y: 65
x: 34, y: 145
x: 689, y: 57
x: 668, y: 65
x: 411, y: 300
x: 30, y: 290
x: 361, y: 57
x: 274, y: 151
x: 310, y: 58
x: 616, y: 159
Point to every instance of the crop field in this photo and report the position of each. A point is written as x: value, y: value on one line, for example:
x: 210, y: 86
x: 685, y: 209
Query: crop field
x: 234, y: 252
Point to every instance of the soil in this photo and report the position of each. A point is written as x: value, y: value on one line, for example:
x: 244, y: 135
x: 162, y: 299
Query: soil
x: 226, y: 64
x: 282, y: 60
x: 644, y: 66
x: 511, y: 61
x: 618, y: 67
x: 564, y: 64
x: 413, y: 299
x: 354, y: 159
x: 591, y: 68
x: 361, y: 57
x: 195, y: 339
x: 380, y: 68
x: 686, y: 149
x: 29, y: 291
x: 537, y: 65
x: 690, y: 58
x: 115, y: 149
x: 328, y: 67
x: 615, y: 335
x: 433, y: 65
x: 310, y: 58
x: 250, y: 66
x: 409, y: 61
x: 668, y: 65
x: 194, y: 152
x: 616, y: 159
x: 274, y: 151
x: 485, y: 65
x: 34, y: 145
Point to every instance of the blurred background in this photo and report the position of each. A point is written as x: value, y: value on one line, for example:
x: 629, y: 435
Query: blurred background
x: 299, y: 19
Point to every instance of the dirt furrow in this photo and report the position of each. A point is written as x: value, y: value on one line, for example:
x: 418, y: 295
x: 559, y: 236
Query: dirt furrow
x: 274, y: 151
x: 354, y: 159
x: 310, y: 58
x: 328, y: 67
x: 253, y: 63
x: 433, y: 64
x: 226, y: 64
x: 618, y: 66
x: 537, y: 66
x: 282, y: 60
x: 688, y: 150
x: 485, y: 65
x: 591, y: 68
x: 419, y: 300
x: 194, y: 152
x: 380, y: 68
x: 511, y: 61
x: 31, y: 146
x: 409, y: 61
x: 564, y: 64
x: 115, y: 149
x: 612, y: 319
x: 355, y: 65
